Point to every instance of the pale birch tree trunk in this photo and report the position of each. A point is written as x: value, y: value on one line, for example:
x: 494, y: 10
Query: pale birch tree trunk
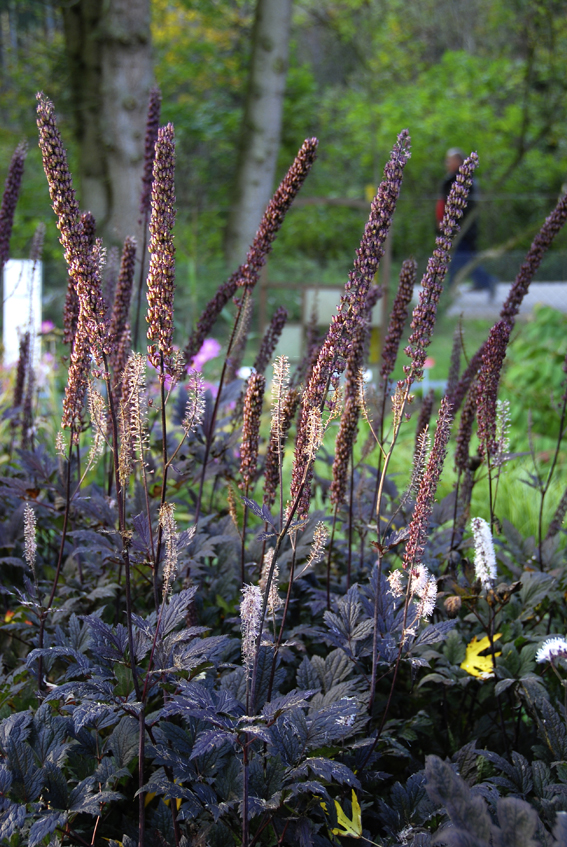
x: 261, y: 126
x: 108, y: 47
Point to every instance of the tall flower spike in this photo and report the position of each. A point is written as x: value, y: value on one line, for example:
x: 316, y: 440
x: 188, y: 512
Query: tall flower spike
x: 424, y: 415
x: 558, y: 518
x: 152, y: 126
x: 518, y: 291
x: 30, y: 543
x: 121, y: 307
x: 281, y: 423
x: 270, y: 339
x: 36, y: 249
x: 455, y: 362
x: 426, y: 495
x: 195, y: 408
x: 161, y: 275
x: 21, y: 370
x: 484, y: 556
x: 251, y: 429
x: 249, y: 273
x: 465, y: 433
x: 539, y: 247
x: 349, y: 421
x: 487, y: 391
x: 10, y: 199
x: 250, y: 619
x: 274, y: 600
x: 77, y: 380
x: 424, y: 314
x: 234, y: 361
x: 351, y: 310
x: 398, y: 317
x: 74, y: 232
x: 169, y: 529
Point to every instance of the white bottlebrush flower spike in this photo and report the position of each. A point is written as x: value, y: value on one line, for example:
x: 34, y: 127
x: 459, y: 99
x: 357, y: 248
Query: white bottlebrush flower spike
x: 552, y: 648
x: 484, y: 556
x: 30, y: 544
x: 250, y: 617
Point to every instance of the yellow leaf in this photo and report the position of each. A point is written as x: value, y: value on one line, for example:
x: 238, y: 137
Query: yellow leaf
x: 476, y: 665
x: 352, y: 828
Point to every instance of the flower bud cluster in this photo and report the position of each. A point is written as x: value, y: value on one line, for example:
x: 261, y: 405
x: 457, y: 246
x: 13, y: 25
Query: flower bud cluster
x: 426, y: 495
x: 249, y: 272
x: 252, y: 412
x: 152, y: 126
x: 424, y: 314
x: 398, y: 317
x: 121, y: 306
x: 10, y: 199
x: 487, y: 388
x: 161, y: 274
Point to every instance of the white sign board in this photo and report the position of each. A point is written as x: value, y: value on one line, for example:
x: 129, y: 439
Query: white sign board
x: 22, y: 307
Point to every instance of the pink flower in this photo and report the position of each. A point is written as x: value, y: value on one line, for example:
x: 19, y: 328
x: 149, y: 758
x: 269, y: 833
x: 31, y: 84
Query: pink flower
x: 209, y: 350
x: 429, y: 362
x: 47, y: 326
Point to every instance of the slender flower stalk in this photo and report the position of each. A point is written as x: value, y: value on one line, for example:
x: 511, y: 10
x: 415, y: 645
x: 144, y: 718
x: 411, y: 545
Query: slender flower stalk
x: 169, y: 530
x: 161, y: 275
x: 251, y: 430
x: 455, y: 362
x: 351, y: 310
x: 282, y: 419
x: 558, y: 518
x: 424, y: 416
x: 424, y: 314
x: 541, y: 243
x: 238, y: 347
x: 464, y: 433
x: 518, y: 291
x: 10, y: 199
x: 195, y: 407
x: 274, y: 599
x: 30, y: 543
x: 270, y: 339
x: 487, y: 392
x: 484, y: 556
x: 250, y: 617
x: 21, y: 370
x: 36, y: 248
x: 426, y: 494
x: 152, y: 126
x: 398, y: 317
x: 122, y: 297
x: 249, y: 272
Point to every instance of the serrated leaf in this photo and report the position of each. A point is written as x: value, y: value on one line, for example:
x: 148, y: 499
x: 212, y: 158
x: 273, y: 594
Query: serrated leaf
x: 45, y: 826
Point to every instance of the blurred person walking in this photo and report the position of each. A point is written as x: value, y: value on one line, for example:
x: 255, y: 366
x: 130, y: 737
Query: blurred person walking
x: 466, y: 247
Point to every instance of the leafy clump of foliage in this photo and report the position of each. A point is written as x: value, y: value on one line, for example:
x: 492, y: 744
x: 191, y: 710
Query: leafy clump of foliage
x: 207, y: 640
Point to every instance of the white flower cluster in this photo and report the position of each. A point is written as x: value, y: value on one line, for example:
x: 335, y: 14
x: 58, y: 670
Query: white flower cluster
x: 250, y: 617
x: 552, y: 648
x: 423, y: 589
x: 424, y: 586
x: 484, y: 556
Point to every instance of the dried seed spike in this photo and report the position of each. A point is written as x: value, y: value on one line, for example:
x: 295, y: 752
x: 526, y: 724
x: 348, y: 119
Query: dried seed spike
x: 161, y: 274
